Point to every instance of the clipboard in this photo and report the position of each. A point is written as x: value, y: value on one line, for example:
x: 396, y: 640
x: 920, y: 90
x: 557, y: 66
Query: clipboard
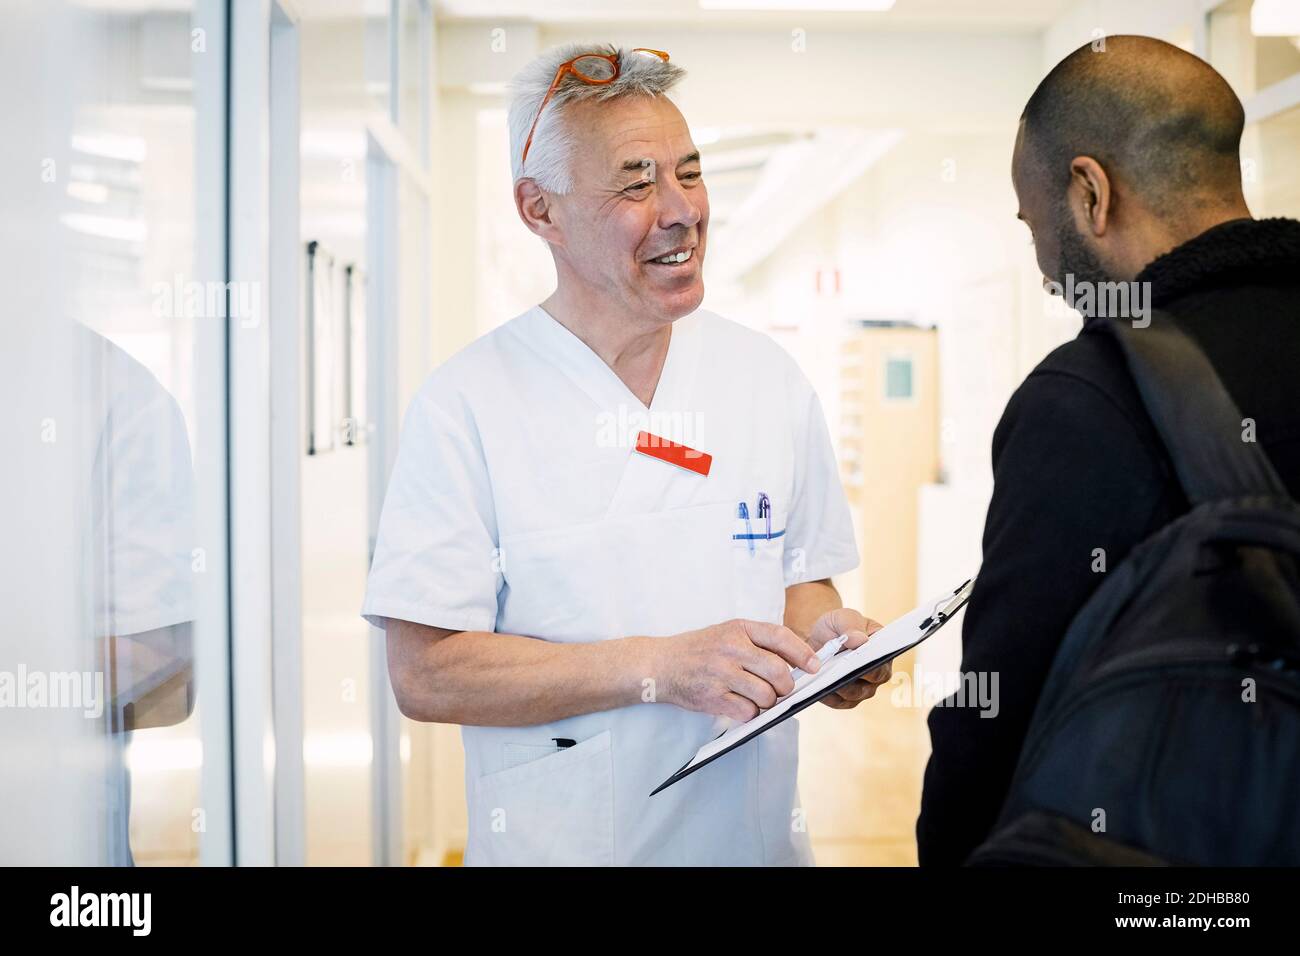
x: 843, y: 668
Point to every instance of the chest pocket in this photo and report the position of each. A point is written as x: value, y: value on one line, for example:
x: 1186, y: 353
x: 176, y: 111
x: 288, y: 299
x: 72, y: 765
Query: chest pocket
x: 758, y: 558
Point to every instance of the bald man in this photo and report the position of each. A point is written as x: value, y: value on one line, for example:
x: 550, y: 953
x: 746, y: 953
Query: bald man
x: 1127, y: 171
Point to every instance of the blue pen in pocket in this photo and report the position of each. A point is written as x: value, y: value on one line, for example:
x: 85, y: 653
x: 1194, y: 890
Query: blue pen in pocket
x: 742, y: 511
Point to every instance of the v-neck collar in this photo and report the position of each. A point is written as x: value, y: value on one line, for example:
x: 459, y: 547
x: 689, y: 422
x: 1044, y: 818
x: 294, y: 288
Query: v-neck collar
x: 590, y: 373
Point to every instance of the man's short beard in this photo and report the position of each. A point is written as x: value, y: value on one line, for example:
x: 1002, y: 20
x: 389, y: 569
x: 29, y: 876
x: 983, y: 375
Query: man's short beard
x: 1075, y: 257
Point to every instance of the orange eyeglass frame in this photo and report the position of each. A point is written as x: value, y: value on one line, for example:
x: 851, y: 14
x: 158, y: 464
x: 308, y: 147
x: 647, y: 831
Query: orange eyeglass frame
x: 567, y: 67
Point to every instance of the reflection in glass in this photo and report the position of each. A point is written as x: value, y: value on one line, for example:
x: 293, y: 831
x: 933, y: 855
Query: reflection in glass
x: 102, y: 372
x: 142, y: 534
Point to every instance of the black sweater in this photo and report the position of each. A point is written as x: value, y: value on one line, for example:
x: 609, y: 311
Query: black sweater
x: 1077, y: 466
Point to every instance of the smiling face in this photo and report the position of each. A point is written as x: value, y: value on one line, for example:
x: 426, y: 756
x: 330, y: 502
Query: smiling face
x: 638, y: 198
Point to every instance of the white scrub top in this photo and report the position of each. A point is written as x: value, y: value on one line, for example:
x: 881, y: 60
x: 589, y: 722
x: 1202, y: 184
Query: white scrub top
x: 137, y: 452
x: 518, y: 505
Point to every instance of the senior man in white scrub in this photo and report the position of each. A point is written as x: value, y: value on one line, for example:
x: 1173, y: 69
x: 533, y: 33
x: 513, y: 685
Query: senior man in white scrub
x: 613, y: 520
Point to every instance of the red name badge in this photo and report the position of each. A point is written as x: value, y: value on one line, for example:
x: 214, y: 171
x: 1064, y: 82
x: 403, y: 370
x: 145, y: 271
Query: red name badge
x: 682, y: 456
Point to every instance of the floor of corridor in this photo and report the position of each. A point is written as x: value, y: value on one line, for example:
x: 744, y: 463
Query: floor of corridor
x: 860, y: 779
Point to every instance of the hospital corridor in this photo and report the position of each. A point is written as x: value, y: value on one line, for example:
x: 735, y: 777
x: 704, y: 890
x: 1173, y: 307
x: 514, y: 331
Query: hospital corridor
x: 285, y: 364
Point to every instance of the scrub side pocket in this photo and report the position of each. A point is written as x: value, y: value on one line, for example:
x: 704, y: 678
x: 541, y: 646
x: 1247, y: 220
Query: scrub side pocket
x: 555, y: 811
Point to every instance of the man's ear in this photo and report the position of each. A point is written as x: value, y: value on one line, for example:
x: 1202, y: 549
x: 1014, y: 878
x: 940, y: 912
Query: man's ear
x: 1089, y: 195
x: 535, y: 210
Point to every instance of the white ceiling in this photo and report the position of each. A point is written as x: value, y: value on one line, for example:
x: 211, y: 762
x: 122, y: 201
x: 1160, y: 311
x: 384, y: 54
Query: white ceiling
x: 1010, y: 15
x: 1007, y: 15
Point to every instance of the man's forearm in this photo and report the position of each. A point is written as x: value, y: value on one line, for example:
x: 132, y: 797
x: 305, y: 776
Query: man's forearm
x: 504, y: 680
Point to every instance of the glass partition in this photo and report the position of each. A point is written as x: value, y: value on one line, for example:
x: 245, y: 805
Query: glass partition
x: 113, y: 555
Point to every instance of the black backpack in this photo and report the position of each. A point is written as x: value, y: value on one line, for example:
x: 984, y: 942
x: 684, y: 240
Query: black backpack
x: 1168, y: 730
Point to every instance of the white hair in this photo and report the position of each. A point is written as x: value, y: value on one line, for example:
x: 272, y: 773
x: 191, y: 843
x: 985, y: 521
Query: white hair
x: 548, y: 156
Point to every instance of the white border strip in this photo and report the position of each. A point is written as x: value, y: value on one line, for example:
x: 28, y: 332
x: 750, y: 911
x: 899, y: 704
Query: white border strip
x: 211, y: 647
x: 250, y: 440
x: 286, y: 401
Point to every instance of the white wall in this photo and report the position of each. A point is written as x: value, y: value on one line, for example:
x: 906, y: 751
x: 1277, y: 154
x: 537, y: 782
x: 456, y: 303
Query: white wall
x: 1007, y: 326
x: 1171, y: 20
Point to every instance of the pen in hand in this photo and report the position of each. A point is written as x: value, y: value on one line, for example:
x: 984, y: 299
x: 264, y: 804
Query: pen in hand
x: 827, y: 651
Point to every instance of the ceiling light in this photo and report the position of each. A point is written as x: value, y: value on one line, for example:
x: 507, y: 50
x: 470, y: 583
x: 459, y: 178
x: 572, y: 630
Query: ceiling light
x: 1275, y: 18
x: 130, y: 149
x: 107, y: 227
x: 87, y: 192
x: 801, y: 6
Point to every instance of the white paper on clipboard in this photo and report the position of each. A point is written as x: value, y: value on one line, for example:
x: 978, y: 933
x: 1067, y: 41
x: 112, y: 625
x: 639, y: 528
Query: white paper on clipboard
x: 896, y: 637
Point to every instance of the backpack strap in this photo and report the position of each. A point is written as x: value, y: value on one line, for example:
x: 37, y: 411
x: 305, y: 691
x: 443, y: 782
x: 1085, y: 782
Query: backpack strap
x: 1196, y: 418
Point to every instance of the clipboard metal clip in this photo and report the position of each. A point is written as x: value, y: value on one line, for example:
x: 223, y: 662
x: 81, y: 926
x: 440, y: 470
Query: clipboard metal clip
x: 945, y: 610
